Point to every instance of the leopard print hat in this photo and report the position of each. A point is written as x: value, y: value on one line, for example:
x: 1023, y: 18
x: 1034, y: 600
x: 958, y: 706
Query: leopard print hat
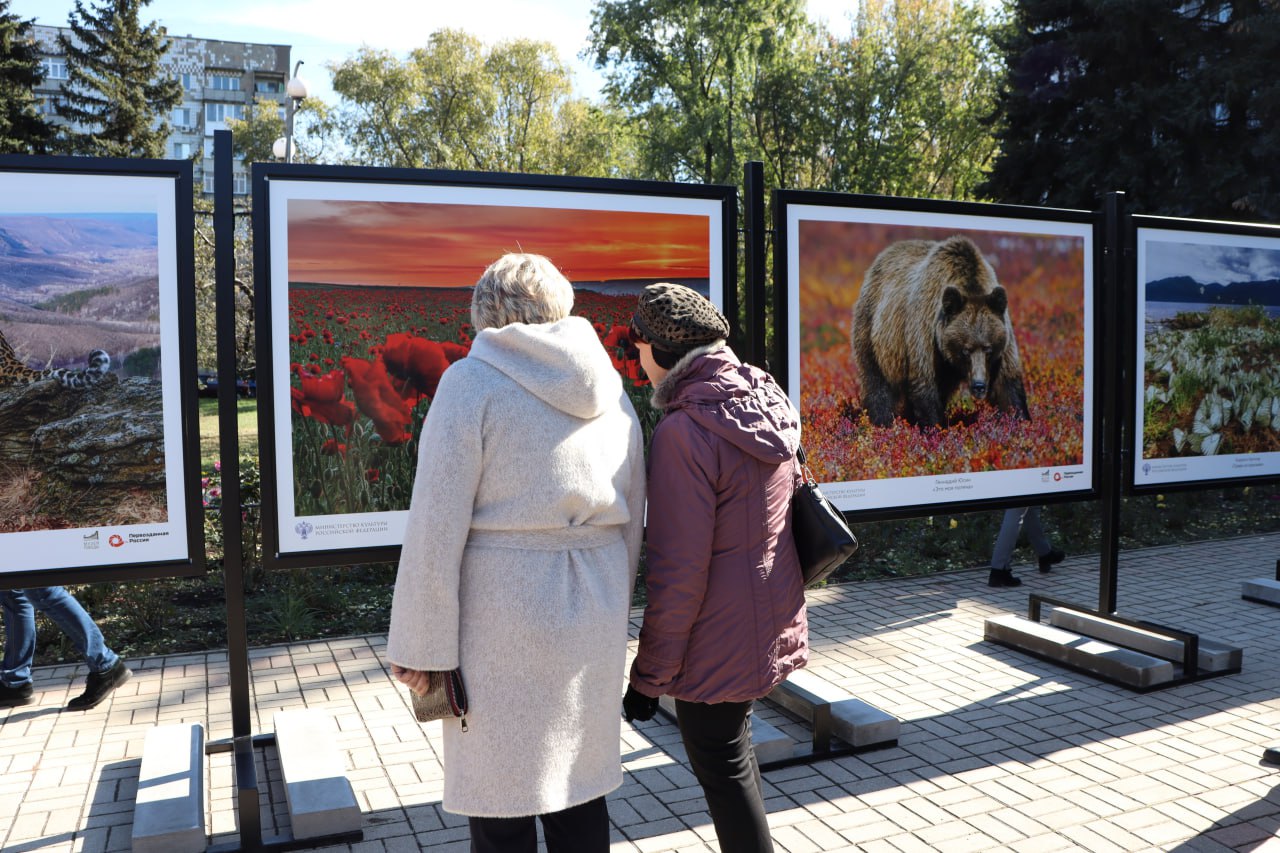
x: 678, y: 319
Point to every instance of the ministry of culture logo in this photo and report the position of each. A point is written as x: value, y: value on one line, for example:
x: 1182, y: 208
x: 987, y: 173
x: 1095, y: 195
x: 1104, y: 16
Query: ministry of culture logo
x: 91, y: 541
x: 303, y: 529
x: 1146, y: 468
x: 116, y: 540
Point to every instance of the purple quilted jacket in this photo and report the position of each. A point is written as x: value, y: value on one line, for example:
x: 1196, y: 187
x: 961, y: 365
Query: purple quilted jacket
x: 725, y: 620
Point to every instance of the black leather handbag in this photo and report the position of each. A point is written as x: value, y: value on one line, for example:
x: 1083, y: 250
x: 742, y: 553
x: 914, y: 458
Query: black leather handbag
x: 823, y: 537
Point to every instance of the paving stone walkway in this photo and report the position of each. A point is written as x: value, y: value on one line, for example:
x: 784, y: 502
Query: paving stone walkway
x: 999, y: 751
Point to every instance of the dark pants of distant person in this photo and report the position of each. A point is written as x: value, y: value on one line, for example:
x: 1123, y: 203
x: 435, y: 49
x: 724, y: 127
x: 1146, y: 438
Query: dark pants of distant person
x: 717, y: 738
x: 582, y: 828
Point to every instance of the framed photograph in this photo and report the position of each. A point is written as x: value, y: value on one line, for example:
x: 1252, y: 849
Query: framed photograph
x: 941, y: 354
x: 99, y: 467
x: 1206, y: 406
x: 365, y: 299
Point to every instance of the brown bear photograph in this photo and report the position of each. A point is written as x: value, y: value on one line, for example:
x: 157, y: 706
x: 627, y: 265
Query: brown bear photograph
x: 945, y: 294
x: 940, y: 359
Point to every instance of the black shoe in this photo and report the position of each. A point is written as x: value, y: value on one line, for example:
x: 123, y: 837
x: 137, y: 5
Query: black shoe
x: 1003, y: 577
x: 1048, y: 561
x: 99, y: 687
x: 23, y: 694
x: 1271, y: 755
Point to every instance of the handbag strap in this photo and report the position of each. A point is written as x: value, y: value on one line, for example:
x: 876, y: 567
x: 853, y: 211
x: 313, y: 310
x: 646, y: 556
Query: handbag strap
x: 804, y: 467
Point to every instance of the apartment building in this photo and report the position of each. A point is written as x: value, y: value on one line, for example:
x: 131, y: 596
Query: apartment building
x: 220, y: 81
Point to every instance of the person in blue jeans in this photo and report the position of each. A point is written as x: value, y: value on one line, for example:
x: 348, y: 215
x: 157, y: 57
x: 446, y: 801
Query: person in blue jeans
x: 1020, y: 519
x: 106, y: 670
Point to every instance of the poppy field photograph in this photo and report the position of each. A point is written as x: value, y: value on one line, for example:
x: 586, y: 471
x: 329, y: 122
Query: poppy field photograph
x: 379, y: 305
x: 1209, y: 324
x: 940, y: 358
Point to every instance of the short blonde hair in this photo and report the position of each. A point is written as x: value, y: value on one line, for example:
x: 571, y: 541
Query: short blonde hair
x: 520, y: 288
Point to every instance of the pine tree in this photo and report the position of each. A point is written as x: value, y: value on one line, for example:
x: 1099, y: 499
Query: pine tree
x: 1152, y: 97
x: 22, y: 129
x: 117, y: 97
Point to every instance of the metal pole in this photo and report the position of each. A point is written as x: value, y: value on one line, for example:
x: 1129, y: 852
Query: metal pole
x: 1114, y: 370
x: 250, y: 819
x: 754, y: 250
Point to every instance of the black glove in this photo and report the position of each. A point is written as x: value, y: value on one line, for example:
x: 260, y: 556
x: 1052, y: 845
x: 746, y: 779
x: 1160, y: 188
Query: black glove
x: 637, y: 706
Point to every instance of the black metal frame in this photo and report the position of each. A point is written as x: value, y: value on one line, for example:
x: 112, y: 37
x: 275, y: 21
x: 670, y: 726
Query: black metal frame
x: 242, y: 741
x: 1133, y: 395
x: 181, y: 174
x: 783, y: 200
x: 265, y: 173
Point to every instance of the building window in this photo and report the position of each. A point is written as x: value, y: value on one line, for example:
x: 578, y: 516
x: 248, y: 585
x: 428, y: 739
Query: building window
x: 182, y: 150
x: 54, y: 69
x: 268, y: 87
x: 188, y: 81
x: 239, y: 184
x: 223, y: 112
x: 184, y: 117
x: 224, y: 82
x: 208, y: 182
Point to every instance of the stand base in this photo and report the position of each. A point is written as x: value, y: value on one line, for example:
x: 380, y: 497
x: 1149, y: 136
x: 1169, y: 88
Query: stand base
x: 1137, y: 655
x: 1262, y: 591
x: 841, y: 724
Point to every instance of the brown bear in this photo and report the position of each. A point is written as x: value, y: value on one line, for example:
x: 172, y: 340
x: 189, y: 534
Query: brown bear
x: 930, y: 319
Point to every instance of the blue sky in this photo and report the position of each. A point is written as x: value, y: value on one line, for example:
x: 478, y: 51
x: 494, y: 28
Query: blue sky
x: 324, y: 31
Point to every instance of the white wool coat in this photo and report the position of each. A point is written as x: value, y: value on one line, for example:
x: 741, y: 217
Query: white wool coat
x: 519, y: 557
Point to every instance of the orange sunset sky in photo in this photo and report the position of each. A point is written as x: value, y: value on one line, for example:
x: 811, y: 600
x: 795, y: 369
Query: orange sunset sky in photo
x: 449, y: 245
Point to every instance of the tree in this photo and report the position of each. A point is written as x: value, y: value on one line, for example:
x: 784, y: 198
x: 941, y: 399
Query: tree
x: 685, y: 72
x: 117, y: 96
x: 456, y: 104
x: 254, y: 136
x: 1166, y: 100
x: 22, y: 129
x: 901, y: 101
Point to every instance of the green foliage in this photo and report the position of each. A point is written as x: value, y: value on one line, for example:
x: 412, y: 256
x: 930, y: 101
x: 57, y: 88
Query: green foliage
x: 264, y: 123
x: 143, y: 362
x: 22, y: 129
x: 457, y: 104
x: 73, y: 302
x: 1171, y: 102
x: 116, y: 97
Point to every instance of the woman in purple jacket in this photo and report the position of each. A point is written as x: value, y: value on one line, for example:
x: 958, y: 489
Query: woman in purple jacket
x: 725, y: 620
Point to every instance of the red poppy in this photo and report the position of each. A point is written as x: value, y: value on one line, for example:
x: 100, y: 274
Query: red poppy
x: 321, y: 398
x: 333, y: 448
x: 418, y: 363
x: 372, y: 474
x: 377, y: 398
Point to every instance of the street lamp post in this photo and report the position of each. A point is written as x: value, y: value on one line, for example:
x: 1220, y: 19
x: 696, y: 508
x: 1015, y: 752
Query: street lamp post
x: 296, y: 89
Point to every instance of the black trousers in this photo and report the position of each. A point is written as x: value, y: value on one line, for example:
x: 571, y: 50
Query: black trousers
x: 717, y: 739
x: 579, y: 829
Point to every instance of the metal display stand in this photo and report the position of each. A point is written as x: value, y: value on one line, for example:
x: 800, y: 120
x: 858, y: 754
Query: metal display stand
x: 1115, y: 457
x: 242, y: 742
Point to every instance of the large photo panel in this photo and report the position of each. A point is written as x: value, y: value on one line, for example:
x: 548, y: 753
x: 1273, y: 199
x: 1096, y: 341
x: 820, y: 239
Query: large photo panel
x: 940, y: 356
x: 370, y: 301
x: 1207, y: 396
x: 93, y: 447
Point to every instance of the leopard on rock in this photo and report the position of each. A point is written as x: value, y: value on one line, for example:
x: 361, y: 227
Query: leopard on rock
x: 14, y: 372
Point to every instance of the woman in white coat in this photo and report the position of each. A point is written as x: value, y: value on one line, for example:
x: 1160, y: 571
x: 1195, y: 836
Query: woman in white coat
x: 519, y: 557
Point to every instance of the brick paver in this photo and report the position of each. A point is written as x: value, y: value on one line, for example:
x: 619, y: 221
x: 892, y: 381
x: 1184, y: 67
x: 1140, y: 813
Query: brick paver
x: 999, y: 751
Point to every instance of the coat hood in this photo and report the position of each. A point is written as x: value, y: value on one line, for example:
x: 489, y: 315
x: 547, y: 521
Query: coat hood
x: 562, y: 363
x: 736, y: 401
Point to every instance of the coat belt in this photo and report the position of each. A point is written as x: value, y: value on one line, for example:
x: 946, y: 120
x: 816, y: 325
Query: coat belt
x: 548, y: 539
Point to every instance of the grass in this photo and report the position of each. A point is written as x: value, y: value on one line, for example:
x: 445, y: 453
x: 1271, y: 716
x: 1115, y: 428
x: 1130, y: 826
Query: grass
x: 189, y: 614
x: 246, y: 419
